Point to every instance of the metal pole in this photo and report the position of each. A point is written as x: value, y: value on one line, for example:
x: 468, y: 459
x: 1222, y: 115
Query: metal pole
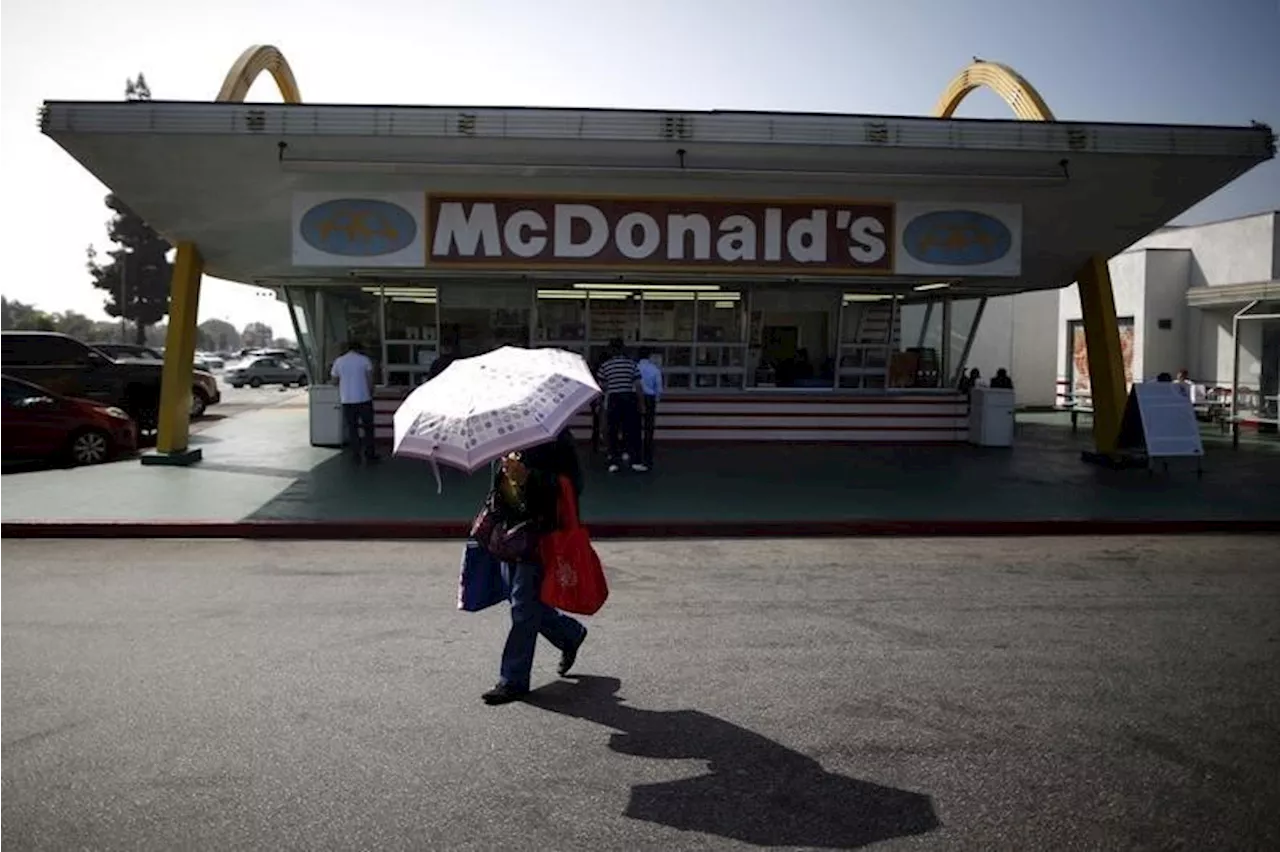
x: 840, y: 309
x: 945, y: 365
x: 924, y: 326
x: 1235, y: 359
x: 382, y: 335
x: 892, y: 340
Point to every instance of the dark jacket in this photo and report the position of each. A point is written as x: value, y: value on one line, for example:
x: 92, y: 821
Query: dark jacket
x: 546, y: 464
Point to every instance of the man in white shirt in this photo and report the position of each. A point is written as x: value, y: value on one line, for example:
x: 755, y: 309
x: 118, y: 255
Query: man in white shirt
x: 353, y: 373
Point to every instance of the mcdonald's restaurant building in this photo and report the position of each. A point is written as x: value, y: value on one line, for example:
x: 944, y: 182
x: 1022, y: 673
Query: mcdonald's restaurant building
x: 799, y: 277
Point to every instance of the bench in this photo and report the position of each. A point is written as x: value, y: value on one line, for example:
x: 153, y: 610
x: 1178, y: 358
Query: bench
x: 1078, y: 404
x: 1250, y: 419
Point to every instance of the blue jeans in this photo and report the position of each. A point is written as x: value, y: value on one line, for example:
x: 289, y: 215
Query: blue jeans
x: 529, y: 617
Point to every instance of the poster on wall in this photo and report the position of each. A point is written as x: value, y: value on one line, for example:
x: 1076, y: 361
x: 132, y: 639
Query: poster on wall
x: 367, y: 229
x: 958, y: 239
x: 1079, y: 361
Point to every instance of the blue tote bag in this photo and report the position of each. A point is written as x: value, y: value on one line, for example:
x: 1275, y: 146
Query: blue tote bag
x: 480, y: 583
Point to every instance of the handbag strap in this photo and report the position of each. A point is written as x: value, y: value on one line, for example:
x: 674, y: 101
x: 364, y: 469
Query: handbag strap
x: 568, y: 508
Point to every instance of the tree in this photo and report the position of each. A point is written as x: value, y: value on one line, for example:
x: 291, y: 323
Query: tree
x: 12, y: 312
x: 36, y: 321
x: 218, y: 336
x: 137, y: 277
x: 257, y: 335
x: 74, y: 324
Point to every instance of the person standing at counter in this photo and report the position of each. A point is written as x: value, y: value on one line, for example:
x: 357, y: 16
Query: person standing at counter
x: 651, y: 388
x: 619, y: 378
x: 353, y: 373
x: 1002, y: 380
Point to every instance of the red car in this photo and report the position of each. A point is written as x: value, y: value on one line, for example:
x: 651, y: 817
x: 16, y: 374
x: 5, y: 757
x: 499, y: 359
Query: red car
x: 40, y: 424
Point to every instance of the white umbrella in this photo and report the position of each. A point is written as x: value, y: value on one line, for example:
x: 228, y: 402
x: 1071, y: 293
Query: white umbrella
x: 479, y: 409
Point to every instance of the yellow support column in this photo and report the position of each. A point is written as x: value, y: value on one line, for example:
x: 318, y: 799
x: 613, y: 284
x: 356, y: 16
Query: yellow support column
x: 179, y: 353
x: 1101, y: 331
x: 188, y: 266
x: 1106, y: 360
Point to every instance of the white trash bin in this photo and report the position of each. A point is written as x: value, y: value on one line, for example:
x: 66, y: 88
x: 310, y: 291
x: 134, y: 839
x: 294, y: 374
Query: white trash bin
x: 991, y: 417
x: 326, y: 416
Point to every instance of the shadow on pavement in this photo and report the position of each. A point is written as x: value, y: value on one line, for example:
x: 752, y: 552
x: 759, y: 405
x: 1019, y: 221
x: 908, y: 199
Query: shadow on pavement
x: 756, y: 790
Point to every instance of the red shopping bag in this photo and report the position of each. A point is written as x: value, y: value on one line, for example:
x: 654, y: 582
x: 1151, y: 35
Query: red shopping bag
x: 572, y: 576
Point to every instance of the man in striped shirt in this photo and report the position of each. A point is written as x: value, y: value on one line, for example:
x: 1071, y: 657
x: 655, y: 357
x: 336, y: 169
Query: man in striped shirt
x: 619, y: 378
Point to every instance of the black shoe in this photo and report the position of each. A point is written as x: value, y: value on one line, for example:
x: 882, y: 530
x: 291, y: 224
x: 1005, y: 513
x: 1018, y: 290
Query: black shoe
x: 504, y: 693
x: 570, y: 656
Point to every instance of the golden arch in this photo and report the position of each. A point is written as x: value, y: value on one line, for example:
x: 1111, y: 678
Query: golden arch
x: 1097, y: 301
x: 255, y: 60
x: 188, y: 269
x: 1021, y: 96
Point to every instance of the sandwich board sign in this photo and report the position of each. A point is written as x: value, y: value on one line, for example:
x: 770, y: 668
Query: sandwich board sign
x: 1160, y: 419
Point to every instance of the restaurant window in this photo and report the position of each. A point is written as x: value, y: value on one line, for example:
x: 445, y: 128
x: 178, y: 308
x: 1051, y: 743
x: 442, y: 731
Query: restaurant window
x: 868, y: 323
x: 668, y: 324
x: 562, y: 319
x: 720, y: 356
x: 965, y: 314
x: 343, y: 313
x: 410, y: 344
x: 478, y: 317
x: 916, y: 360
x: 793, y: 337
x: 612, y: 315
x: 301, y: 304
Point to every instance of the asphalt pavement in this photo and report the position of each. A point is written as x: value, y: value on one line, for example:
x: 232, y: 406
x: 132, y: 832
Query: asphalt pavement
x: 984, y: 694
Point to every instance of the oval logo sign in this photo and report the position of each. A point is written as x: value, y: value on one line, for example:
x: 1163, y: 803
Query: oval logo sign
x: 956, y: 238
x: 358, y: 227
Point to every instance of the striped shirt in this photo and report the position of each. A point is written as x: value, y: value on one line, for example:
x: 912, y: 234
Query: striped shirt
x: 619, y: 375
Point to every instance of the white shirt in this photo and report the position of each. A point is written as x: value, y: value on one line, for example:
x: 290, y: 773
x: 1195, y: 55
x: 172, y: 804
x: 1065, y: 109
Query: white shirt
x: 354, y: 372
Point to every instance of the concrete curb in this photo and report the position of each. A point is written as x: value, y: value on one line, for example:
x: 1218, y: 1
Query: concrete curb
x: 411, y: 530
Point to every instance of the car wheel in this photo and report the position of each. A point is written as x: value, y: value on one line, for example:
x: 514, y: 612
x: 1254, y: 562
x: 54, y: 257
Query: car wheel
x: 236, y: 385
x: 255, y: 382
x: 302, y: 381
x: 89, y: 446
x: 198, y: 403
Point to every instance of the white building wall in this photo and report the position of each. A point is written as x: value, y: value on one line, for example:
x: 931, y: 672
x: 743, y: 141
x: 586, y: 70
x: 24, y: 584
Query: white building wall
x: 1035, y: 317
x: 1211, y: 364
x: 1012, y: 335
x: 1238, y: 251
x: 1165, y: 298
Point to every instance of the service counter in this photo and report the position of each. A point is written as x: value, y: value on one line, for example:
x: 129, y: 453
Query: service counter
x: 900, y: 416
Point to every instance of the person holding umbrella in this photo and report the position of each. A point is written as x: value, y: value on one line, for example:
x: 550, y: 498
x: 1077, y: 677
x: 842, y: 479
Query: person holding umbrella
x: 526, y: 485
x: 511, y: 406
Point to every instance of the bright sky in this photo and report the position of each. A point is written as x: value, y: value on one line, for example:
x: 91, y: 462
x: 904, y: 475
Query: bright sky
x: 1174, y: 61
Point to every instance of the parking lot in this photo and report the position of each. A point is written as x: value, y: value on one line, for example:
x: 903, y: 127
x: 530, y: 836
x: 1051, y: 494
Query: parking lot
x: 239, y: 400
x: 984, y: 694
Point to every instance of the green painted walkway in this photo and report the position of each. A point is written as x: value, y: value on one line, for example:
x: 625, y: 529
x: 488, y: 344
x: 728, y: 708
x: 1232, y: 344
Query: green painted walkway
x: 1041, y: 478
x: 259, y: 467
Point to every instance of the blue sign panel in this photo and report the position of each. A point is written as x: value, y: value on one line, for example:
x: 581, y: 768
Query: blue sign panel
x: 358, y: 227
x: 956, y: 238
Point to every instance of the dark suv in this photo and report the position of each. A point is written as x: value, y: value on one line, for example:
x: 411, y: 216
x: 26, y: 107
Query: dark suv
x: 66, y: 366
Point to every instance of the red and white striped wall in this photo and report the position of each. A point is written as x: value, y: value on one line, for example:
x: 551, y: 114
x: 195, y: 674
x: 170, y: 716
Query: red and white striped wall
x: 895, y: 418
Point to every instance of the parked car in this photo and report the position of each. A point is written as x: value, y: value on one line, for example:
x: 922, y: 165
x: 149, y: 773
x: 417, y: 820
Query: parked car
x: 269, y: 370
x: 117, y: 351
x: 210, y: 362
x: 70, y: 368
x: 40, y: 424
